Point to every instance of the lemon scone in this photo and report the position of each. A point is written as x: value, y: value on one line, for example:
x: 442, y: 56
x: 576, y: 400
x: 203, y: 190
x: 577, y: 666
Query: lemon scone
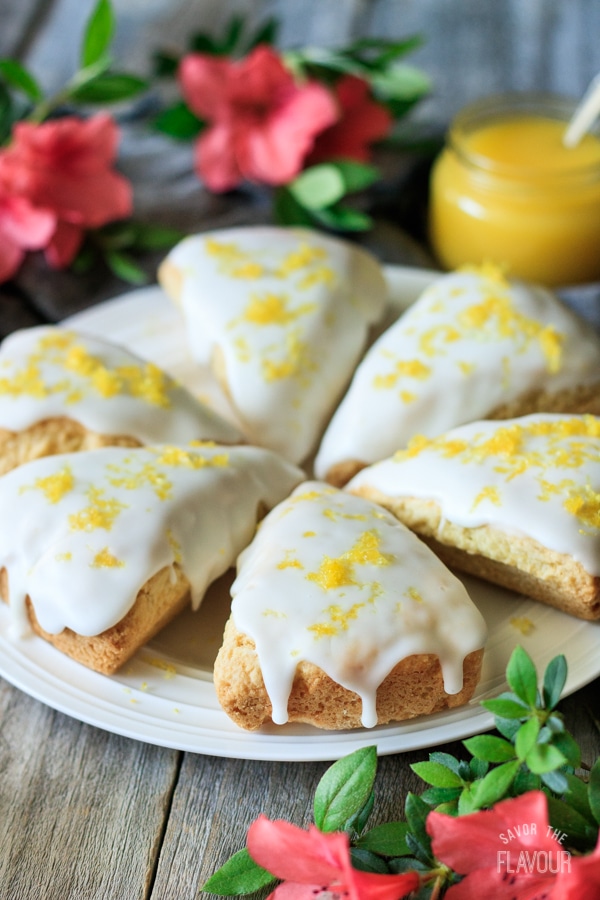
x: 61, y: 392
x: 473, y: 346
x: 514, y: 502
x: 341, y: 617
x: 98, y: 550
x: 282, y: 316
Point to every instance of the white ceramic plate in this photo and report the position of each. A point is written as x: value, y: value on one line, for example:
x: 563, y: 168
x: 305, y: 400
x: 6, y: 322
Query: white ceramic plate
x: 165, y: 695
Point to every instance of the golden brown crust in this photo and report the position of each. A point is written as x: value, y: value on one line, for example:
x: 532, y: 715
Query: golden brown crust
x: 158, y: 601
x: 515, y: 562
x: 51, y: 436
x: 576, y: 401
x: 413, y: 688
x: 170, y: 278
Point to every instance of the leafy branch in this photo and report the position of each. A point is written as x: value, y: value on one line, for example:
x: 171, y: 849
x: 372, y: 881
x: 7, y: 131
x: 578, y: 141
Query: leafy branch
x: 533, y: 751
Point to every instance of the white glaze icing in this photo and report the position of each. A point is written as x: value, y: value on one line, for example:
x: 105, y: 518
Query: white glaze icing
x: 471, y: 343
x: 47, y: 372
x: 336, y: 580
x: 537, y: 476
x: 287, y: 311
x: 87, y: 530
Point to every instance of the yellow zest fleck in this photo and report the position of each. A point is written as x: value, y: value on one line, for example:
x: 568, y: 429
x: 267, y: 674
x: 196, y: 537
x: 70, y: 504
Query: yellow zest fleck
x: 466, y: 367
x: 148, y: 475
x: 404, y: 368
x: 309, y: 534
x: 333, y: 573
x: 414, y: 594
x: 168, y: 668
x: 101, y: 512
x: 273, y: 309
x: 248, y: 270
x: 56, y: 486
x: 322, y: 275
x: 104, y: 559
x: 64, y: 557
x: 304, y: 256
x: 339, y: 619
x: 487, y: 493
x: 290, y: 562
x: 430, y: 339
x: 178, y: 457
x: 585, y: 505
x: 407, y: 396
x: 274, y: 614
x: 522, y: 624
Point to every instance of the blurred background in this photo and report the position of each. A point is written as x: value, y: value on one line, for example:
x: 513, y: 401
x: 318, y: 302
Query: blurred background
x: 470, y: 47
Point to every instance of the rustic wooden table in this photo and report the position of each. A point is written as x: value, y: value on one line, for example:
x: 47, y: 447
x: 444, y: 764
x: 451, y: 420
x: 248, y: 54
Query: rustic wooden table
x: 87, y: 814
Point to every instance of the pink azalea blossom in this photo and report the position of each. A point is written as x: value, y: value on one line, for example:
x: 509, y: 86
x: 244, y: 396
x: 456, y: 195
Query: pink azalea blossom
x: 22, y: 228
x: 312, y: 862
x: 65, y: 166
x: 262, y: 123
x: 362, y: 122
x: 511, y: 852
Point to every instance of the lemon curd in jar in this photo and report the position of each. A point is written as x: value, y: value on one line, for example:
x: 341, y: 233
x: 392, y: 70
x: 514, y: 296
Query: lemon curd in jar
x: 506, y: 190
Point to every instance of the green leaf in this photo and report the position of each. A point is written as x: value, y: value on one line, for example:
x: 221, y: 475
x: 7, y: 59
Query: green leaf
x: 357, y: 176
x: 365, y: 861
x: 405, y: 83
x: 434, y: 796
x: 594, y: 790
x: 17, y: 76
x: 466, y: 801
x: 436, y: 774
x: 387, y: 840
x: 156, y: 237
x: 110, y: 87
x: 496, y: 783
x: 318, y: 187
x: 446, y: 759
x: 525, y: 781
x: 556, y: 781
x: 343, y: 218
x: 569, y: 748
x: 124, y: 267
x: 526, y: 737
x: 239, y: 875
x: 98, y: 33
x: 565, y: 818
x: 416, y: 811
x: 577, y: 795
x: 421, y: 849
x: 555, y: 677
x: 505, y: 707
x: 490, y: 748
x: 356, y: 824
x: 344, y: 789
x: 544, y: 758
x: 287, y: 210
x: 178, y: 121
x: 266, y: 34
x: 232, y: 35
x: 508, y: 727
x: 478, y: 768
x: 450, y: 809
x: 6, y: 113
x: 522, y: 676
x: 165, y: 65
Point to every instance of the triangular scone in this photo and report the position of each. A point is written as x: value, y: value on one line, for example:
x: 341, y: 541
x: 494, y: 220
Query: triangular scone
x: 282, y: 316
x: 473, y: 346
x: 100, y: 549
x: 515, y: 502
x: 341, y: 617
x: 61, y: 392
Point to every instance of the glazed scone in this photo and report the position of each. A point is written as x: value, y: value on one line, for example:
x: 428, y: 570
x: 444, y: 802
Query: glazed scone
x: 341, y: 617
x: 473, y: 346
x: 62, y: 392
x: 282, y: 316
x: 100, y: 549
x: 514, y: 502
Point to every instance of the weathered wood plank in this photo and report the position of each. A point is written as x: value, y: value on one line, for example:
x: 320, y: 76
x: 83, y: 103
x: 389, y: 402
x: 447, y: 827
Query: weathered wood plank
x: 82, y: 810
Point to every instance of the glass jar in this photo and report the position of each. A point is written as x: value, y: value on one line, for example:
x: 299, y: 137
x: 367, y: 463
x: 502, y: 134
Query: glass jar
x: 505, y: 190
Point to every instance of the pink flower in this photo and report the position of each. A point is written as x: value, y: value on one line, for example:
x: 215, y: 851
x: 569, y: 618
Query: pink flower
x: 22, y: 228
x: 262, y: 124
x: 311, y: 862
x: 65, y: 166
x: 362, y: 122
x: 511, y: 852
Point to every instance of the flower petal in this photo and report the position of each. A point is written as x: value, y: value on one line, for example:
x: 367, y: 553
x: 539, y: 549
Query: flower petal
x: 370, y: 886
x: 471, y: 842
x: 580, y: 880
x: 203, y: 80
x: 215, y: 160
x: 64, y: 245
x: 292, y: 854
